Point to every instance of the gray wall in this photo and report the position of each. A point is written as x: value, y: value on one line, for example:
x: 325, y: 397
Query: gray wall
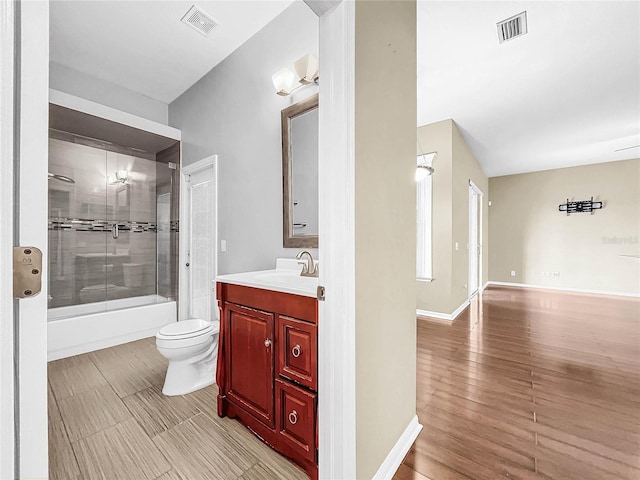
x: 233, y: 111
x: 91, y: 88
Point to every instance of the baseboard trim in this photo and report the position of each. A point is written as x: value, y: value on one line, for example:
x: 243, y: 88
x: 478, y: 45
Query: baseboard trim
x: 564, y: 289
x: 449, y: 317
x: 399, y: 450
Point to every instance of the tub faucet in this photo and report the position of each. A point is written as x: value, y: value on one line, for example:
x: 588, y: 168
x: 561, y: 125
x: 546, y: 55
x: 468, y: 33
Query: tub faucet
x: 309, y: 267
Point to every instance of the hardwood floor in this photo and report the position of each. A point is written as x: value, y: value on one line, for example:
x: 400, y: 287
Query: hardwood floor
x: 109, y: 420
x: 529, y: 384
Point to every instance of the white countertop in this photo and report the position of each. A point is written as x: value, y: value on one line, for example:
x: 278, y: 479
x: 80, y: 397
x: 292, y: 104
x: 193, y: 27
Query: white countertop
x: 284, y: 278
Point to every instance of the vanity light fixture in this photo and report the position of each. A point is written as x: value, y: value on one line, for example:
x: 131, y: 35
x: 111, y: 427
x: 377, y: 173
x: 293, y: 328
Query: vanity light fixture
x: 307, y: 70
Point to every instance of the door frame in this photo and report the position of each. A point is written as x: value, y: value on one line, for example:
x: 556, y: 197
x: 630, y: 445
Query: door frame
x: 184, y: 287
x: 8, y: 434
x: 473, y: 188
x: 23, y: 210
x: 336, y: 178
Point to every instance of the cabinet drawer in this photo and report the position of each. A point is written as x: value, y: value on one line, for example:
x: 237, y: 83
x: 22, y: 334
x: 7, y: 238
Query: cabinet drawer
x: 298, y: 351
x: 296, y: 419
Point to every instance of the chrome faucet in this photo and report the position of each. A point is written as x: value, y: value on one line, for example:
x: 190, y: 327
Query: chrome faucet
x: 309, y: 267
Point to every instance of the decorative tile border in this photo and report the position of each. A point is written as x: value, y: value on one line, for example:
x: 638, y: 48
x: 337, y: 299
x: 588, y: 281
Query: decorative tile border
x: 84, y: 225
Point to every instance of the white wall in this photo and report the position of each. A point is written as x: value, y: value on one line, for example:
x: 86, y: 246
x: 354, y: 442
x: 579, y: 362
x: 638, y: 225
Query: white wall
x: 91, y: 88
x: 233, y: 112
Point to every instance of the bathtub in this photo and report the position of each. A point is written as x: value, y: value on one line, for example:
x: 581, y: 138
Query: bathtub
x: 83, y: 328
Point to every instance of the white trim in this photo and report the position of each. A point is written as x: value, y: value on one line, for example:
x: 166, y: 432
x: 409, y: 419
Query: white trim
x: 444, y: 316
x: 336, y: 178
x: 7, y: 372
x: 484, y: 287
x: 399, y: 450
x: 66, y: 100
x: 183, y: 275
x: 199, y: 165
x: 564, y: 289
x: 32, y: 312
x: 474, y: 188
x: 86, y: 333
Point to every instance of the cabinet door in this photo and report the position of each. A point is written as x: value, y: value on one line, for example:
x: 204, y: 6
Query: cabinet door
x: 251, y: 361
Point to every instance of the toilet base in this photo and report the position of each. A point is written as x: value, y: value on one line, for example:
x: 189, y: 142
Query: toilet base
x: 184, y: 377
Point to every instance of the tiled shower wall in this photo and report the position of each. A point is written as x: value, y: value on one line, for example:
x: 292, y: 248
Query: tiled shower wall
x: 87, y: 264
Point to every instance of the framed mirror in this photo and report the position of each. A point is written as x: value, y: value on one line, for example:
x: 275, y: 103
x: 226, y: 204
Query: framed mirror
x: 300, y: 174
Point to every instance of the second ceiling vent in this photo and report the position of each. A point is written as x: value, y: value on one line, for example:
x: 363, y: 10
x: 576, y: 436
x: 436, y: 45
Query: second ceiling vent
x: 200, y: 21
x: 512, y: 27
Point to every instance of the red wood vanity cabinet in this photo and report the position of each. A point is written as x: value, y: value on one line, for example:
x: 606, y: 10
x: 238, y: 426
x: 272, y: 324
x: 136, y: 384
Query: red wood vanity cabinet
x: 268, y: 368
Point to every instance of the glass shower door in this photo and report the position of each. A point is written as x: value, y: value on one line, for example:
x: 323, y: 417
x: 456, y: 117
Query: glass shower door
x: 77, y: 224
x: 131, y: 243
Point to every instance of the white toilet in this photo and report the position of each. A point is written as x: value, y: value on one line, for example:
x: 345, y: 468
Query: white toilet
x: 191, y: 346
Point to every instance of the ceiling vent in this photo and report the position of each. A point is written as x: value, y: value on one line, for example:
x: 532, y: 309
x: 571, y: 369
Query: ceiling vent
x: 513, y: 27
x: 200, y: 21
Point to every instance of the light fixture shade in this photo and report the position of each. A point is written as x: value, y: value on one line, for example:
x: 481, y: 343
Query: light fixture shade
x: 424, y: 168
x: 307, y: 69
x: 422, y: 172
x: 283, y: 81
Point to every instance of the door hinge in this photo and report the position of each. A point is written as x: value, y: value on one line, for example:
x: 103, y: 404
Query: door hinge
x: 27, y: 272
x: 320, y: 293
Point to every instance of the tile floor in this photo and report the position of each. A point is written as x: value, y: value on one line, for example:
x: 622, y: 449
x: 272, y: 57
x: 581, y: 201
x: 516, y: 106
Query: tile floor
x: 109, y: 420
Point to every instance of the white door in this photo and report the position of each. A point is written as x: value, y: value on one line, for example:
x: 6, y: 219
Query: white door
x: 199, y: 252
x: 475, y: 197
x: 24, y: 92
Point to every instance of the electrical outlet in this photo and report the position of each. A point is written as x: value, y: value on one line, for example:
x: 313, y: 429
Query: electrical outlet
x: 223, y: 245
x: 457, y: 246
x: 513, y: 273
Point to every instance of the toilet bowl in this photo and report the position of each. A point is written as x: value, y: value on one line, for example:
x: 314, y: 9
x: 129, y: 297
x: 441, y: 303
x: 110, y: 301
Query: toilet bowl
x: 191, y: 346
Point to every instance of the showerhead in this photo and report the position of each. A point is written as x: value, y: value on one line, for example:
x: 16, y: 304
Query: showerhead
x: 62, y: 178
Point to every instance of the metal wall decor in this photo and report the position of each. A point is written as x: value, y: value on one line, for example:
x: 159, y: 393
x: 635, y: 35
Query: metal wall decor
x: 582, y: 206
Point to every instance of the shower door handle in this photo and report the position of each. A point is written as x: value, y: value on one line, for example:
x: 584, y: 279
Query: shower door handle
x: 114, y: 231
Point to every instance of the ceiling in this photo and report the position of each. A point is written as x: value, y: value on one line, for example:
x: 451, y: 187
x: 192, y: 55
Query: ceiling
x: 143, y: 45
x: 566, y: 93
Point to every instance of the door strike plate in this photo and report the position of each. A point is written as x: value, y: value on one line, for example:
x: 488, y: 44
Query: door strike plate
x: 27, y: 272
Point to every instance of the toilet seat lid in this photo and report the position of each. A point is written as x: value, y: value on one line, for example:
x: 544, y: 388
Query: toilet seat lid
x: 190, y: 327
